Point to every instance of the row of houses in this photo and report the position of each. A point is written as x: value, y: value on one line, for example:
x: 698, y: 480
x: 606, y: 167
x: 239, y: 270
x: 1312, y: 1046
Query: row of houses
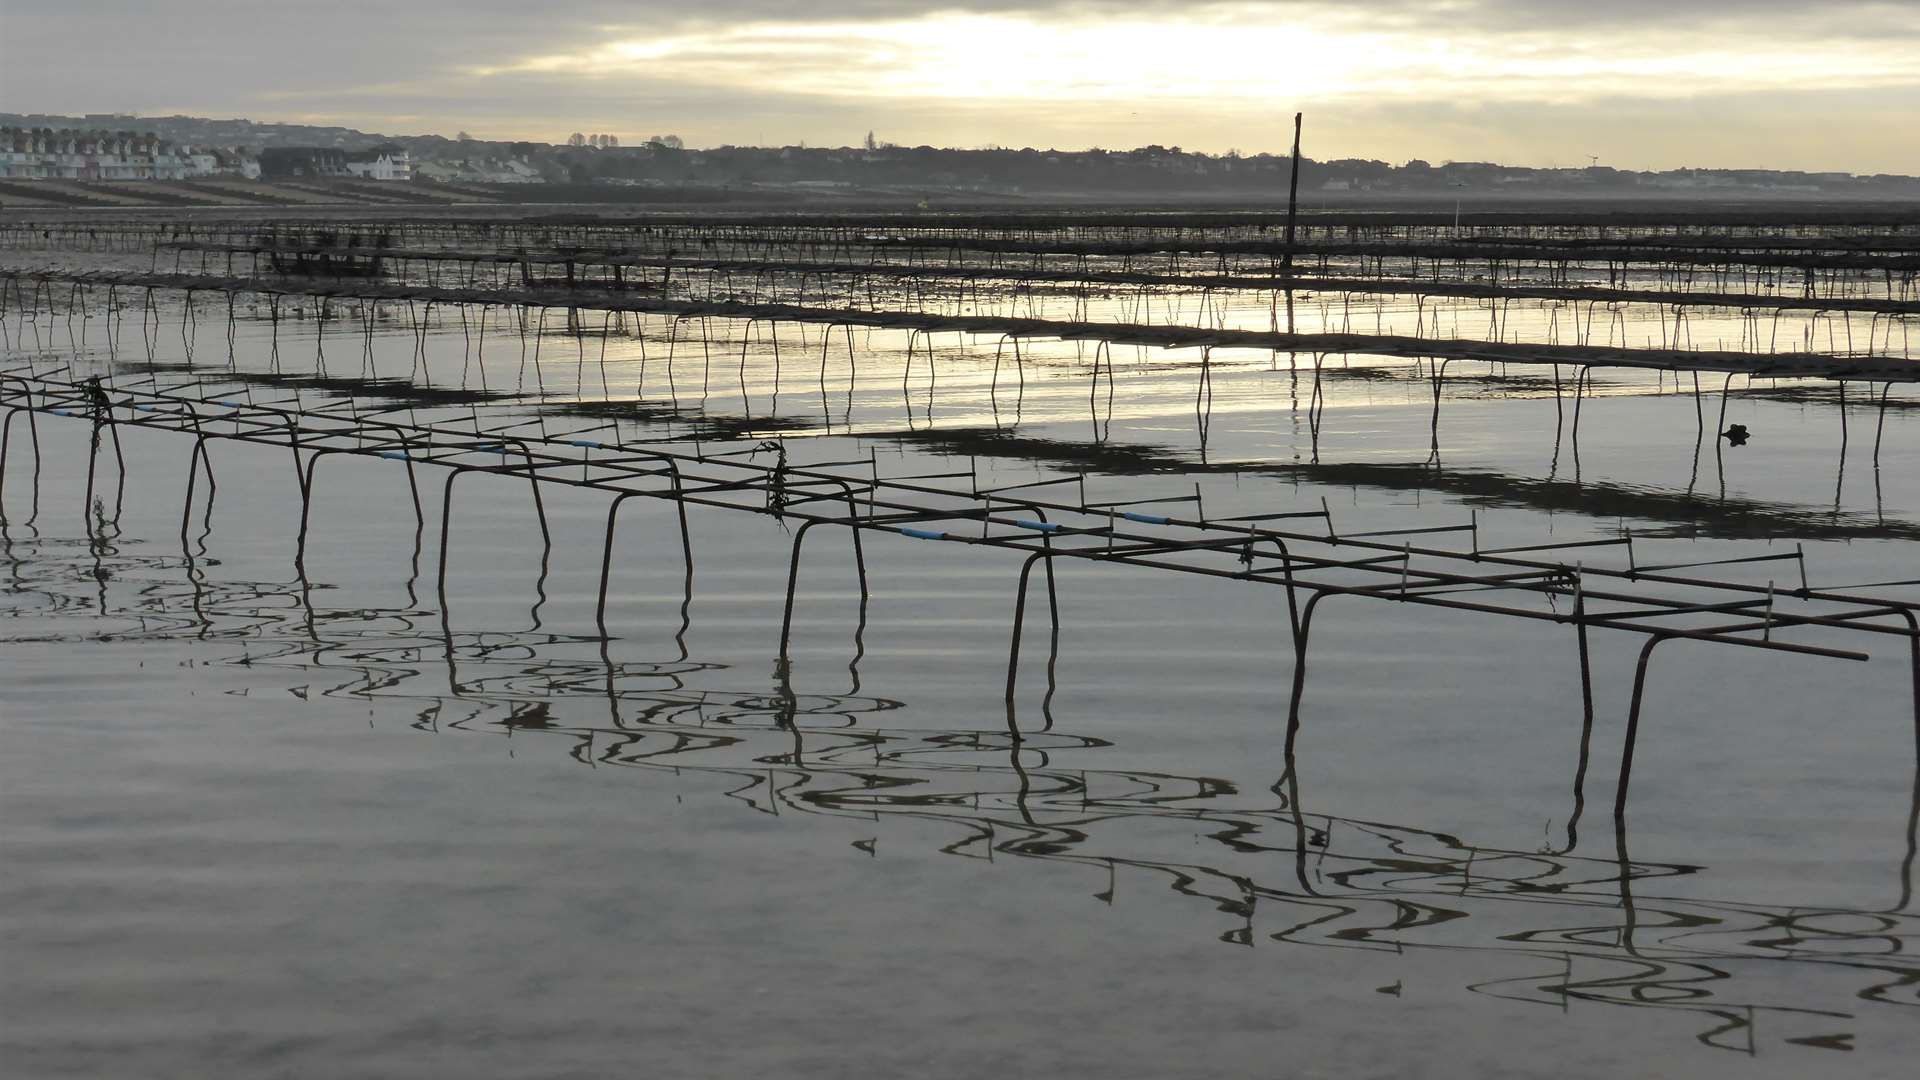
x: 49, y: 154
x: 70, y: 154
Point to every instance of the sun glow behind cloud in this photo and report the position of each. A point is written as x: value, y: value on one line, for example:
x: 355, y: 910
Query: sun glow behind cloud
x: 1214, y: 57
x: 1642, y: 83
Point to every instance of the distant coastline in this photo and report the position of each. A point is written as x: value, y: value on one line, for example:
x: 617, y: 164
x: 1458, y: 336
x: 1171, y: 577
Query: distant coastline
x: 660, y: 169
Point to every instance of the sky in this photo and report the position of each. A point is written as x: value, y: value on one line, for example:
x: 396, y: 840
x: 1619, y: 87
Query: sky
x: 1826, y: 85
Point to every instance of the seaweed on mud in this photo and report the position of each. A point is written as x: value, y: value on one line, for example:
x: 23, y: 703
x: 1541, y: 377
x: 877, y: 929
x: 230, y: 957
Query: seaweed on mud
x: 705, y: 426
x: 1672, y: 513
x: 342, y: 386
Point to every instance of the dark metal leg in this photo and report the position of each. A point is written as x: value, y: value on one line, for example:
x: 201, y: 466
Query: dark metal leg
x: 6, y: 437
x: 1633, y: 726
x: 93, y: 456
x: 1586, y: 739
x: 1300, y: 669
x: 446, y: 530
x: 120, y: 462
x: 1913, y: 812
x: 306, y: 509
x: 1020, y: 616
x: 606, y: 560
x: 793, y: 581
x: 193, y: 475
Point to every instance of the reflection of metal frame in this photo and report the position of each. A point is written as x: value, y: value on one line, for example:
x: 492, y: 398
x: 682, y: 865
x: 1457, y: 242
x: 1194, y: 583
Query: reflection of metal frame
x: 1597, y: 936
x: 1355, y: 884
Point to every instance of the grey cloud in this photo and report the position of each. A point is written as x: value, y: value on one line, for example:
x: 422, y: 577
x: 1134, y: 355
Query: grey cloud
x: 397, y: 67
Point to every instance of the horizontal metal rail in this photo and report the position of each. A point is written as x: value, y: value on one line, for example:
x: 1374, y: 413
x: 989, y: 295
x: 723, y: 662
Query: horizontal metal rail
x: 1279, y: 279
x: 915, y: 509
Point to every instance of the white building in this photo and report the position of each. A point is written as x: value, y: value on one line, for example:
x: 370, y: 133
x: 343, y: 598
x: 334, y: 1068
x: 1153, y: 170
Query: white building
x: 382, y: 164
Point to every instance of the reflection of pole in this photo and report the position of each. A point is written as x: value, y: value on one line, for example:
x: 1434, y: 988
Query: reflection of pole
x: 1699, y: 435
x: 1582, y: 383
x: 1630, y: 913
x: 1840, y: 480
x: 1719, y: 462
x: 1439, y: 379
x: 1881, y: 426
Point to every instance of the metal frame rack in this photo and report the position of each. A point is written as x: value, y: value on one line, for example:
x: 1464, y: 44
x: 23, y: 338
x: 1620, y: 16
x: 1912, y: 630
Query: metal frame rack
x: 25, y: 289
x: 1660, y: 603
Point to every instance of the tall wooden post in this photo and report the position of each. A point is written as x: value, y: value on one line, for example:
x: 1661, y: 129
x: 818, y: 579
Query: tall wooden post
x: 1293, y: 212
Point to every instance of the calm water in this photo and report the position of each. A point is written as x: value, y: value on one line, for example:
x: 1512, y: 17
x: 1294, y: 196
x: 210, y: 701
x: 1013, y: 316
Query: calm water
x: 255, y: 823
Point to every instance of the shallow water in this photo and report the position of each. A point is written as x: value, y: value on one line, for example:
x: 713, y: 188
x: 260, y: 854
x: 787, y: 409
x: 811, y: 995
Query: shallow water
x: 262, y: 822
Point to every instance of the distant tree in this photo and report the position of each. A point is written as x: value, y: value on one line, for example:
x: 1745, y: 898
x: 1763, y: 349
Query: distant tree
x: 576, y: 139
x: 872, y: 145
x: 613, y: 140
x: 463, y: 137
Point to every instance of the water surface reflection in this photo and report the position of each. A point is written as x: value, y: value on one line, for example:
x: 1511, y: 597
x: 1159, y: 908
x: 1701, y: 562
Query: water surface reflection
x: 1577, y: 923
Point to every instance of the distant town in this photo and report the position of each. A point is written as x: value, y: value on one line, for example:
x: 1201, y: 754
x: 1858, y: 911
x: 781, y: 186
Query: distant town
x: 113, y: 159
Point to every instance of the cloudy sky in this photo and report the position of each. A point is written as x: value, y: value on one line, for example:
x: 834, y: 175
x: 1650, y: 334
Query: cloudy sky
x: 1827, y: 84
